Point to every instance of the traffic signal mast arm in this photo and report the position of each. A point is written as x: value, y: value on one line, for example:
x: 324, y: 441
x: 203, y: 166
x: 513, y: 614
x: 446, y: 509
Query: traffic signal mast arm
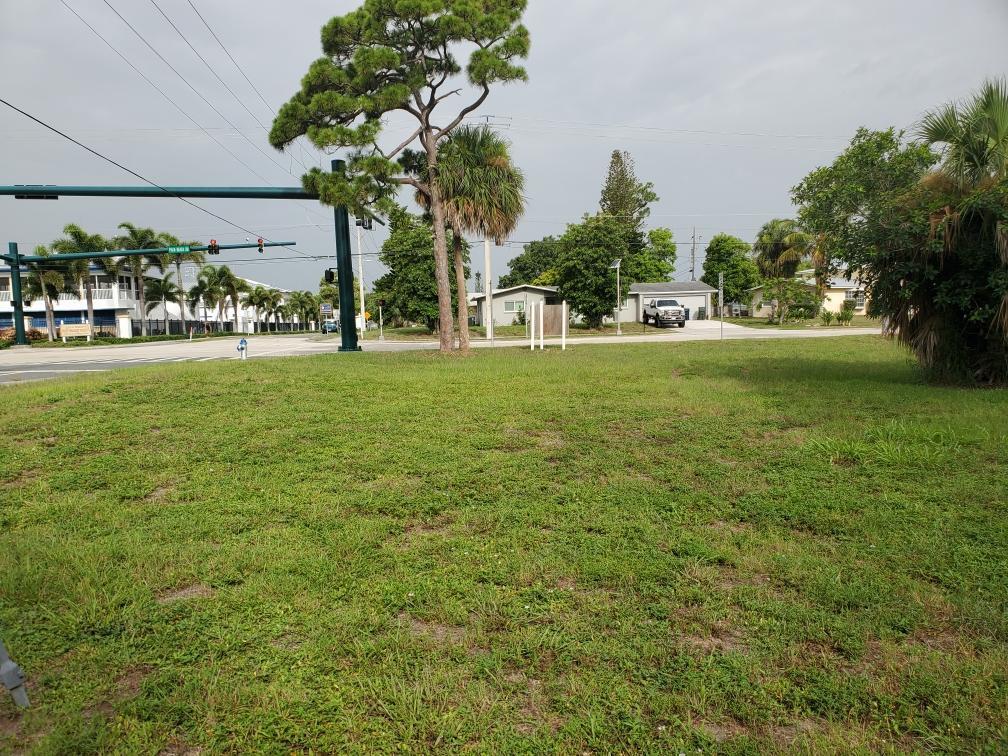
x: 137, y: 252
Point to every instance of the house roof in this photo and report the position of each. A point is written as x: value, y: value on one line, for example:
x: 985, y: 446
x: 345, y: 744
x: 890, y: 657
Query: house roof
x: 672, y: 287
x: 521, y: 287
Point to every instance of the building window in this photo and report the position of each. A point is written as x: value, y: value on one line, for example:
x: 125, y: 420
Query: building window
x: 513, y: 305
x: 856, y: 296
x: 125, y: 283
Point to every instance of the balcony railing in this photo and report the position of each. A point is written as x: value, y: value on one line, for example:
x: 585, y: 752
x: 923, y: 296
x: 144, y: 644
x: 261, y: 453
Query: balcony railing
x: 5, y: 295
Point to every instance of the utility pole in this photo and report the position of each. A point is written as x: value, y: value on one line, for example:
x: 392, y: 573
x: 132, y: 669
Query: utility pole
x: 692, y: 265
x: 344, y: 270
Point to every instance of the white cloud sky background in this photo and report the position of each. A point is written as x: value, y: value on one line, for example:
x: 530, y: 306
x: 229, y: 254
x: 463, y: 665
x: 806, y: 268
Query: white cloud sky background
x: 724, y: 106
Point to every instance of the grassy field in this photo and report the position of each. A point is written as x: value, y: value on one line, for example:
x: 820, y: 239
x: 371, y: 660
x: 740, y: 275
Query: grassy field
x: 769, y: 546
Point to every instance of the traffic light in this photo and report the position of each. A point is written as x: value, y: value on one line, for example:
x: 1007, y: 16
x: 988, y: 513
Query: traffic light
x: 330, y: 276
x: 260, y: 246
x: 213, y: 248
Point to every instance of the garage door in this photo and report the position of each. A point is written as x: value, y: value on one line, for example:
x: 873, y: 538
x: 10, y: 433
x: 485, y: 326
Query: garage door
x: 693, y: 302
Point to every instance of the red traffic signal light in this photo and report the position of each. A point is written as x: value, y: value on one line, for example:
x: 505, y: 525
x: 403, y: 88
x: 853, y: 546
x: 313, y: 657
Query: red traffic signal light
x: 213, y: 248
x: 260, y: 246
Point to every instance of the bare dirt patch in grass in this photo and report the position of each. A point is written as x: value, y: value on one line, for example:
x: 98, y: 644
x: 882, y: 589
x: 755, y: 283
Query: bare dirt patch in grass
x: 287, y: 642
x: 178, y: 747
x: 23, y: 478
x: 531, y: 710
x: 437, y: 632
x: 720, y: 637
x: 732, y: 527
x: 159, y: 494
x: 730, y: 580
x: 183, y: 594
x: 786, y: 735
x: 723, y: 731
x: 435, y: 526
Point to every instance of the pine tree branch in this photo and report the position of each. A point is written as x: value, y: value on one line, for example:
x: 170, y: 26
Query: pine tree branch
x: 463, y: 113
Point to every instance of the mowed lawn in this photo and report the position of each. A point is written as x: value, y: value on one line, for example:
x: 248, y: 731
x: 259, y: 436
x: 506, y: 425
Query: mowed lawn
x: 788, y: 545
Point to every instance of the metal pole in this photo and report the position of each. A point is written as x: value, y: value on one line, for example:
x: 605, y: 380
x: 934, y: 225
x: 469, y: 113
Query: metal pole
x: 532, y: 310
x: 15, y: 263
x: 381, y: 324
x: 344, y: 269
x: 360, y: 280
x: 488, y: 291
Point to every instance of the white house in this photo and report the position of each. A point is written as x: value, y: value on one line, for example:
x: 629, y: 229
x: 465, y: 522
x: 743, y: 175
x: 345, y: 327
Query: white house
x: 509, y: 304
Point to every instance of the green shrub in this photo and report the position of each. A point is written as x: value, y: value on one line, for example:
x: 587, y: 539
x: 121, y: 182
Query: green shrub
x: 826, y: 317
x: 846, y: 314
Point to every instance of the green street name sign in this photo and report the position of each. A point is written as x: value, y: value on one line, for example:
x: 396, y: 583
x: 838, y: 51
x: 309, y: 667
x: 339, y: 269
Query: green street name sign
x: 178, y: 250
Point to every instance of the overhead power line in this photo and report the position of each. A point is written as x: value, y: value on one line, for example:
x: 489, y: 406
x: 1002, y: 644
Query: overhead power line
x: 240, y: 69
x: 196, y: 91
x: 130, y: 171
x: 215, y: 74
x: 160, y: 91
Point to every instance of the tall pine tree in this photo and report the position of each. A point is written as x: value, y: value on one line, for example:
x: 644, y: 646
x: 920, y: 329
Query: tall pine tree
x: 624, y: 196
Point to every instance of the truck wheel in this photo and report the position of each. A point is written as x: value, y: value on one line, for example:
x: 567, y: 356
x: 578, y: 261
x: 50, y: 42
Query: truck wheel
x: 682, y: 325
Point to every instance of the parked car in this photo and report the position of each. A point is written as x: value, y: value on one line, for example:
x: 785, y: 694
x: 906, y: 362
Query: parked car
x: 330, y: 326
x: 665, y: 312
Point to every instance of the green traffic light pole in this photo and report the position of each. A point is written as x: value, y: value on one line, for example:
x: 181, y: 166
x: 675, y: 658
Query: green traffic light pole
x: 16, y: 260
x: 344, y: 263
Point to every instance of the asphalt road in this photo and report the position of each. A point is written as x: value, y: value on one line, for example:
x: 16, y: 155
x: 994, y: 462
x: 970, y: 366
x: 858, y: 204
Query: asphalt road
x: 21, y: 365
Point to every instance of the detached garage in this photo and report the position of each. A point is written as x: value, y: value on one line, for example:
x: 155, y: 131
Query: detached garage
x: 690, y: 294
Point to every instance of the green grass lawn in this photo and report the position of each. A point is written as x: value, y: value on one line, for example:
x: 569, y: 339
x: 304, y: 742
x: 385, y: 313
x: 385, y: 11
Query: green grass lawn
x: 793, y: 545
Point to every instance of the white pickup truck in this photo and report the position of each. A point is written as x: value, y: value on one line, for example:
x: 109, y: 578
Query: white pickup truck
x: 664, y: 312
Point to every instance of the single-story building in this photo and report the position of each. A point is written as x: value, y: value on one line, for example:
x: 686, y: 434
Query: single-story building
x: 838, y: 290
x: 509, y: 304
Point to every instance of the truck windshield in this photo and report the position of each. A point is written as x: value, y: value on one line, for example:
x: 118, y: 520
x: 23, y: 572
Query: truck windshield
x: 667, y: 303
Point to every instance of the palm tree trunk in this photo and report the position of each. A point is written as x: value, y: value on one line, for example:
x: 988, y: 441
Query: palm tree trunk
x: 234, y: 303
x: 460, y: 285
x: 141, y: 298
x: 50, y: 319
x: 182, y: 299
x: 446, y: 326
x: 89, y: 295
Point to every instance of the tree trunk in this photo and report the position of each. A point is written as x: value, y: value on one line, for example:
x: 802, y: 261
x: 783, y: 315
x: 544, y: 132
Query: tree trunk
x: 235, y: 305
x: 89, y: 296
x: 446, y: 326
x: 141, y: 297
x: 182, y: 302
x: 50, y: 320
x: 460, y: 285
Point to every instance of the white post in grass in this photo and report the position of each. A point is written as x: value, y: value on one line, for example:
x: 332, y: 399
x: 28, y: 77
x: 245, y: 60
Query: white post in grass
x: 488, y: 291
x: 532, y: 331
x: 563, y: 327
x: 542, y: 320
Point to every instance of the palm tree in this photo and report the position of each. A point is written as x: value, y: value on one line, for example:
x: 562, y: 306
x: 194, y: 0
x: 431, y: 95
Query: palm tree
x: 777, y: 249
x: 233, y: 287
x: 813, y: 247
x: 257, y: 299
x: 140, y: 238
x: 77, y: 240
x: 482, y: 192
x: 45, y: 283
x: 975, y: 135
x: 202, y: 293
x: 163, y: 290
x: 271, y: 302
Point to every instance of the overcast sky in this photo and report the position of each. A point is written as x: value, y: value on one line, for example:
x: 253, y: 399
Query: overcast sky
x: 724, y: 105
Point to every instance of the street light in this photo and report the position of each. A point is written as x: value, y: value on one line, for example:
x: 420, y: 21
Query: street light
x: 616, y: 266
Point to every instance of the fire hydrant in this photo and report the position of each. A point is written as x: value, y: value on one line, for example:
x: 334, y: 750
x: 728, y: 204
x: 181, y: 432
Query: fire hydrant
x: 243, y: 349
